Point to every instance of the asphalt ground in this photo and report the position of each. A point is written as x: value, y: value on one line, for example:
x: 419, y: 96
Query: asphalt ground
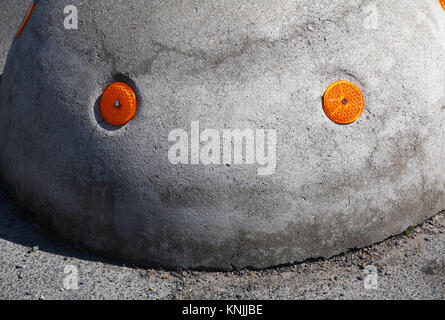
x: 36, y: 265
x: 33, y: 264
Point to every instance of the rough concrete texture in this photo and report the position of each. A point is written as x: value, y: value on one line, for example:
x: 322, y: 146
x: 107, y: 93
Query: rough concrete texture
x: 33, y: 261
x: 259, y: 64
x: 11, y: 14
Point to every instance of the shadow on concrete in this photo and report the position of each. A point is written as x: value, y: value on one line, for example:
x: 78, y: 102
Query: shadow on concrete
x: 17, y: 225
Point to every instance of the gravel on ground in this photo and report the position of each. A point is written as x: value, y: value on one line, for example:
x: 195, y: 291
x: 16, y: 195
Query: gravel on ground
x: 33, y: 265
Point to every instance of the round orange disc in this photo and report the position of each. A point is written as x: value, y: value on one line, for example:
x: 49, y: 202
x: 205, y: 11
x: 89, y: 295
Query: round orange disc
x: 26, y: 19
x: 343, y: 102
x: 442, y: 2
x: 118, y: 104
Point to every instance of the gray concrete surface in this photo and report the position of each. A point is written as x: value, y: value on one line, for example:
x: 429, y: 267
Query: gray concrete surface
x: 11, y: 15
x: 261, y: 64
x: 409, y: 267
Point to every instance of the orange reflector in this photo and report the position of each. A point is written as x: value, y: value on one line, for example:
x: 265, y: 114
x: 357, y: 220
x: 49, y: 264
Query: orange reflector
x: 26, y: 19
x: 442, y: 2
x: 343, y: 102
x: 118, y: 104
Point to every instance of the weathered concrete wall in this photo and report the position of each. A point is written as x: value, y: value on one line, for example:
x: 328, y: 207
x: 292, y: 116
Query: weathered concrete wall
x: 256, y: 64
